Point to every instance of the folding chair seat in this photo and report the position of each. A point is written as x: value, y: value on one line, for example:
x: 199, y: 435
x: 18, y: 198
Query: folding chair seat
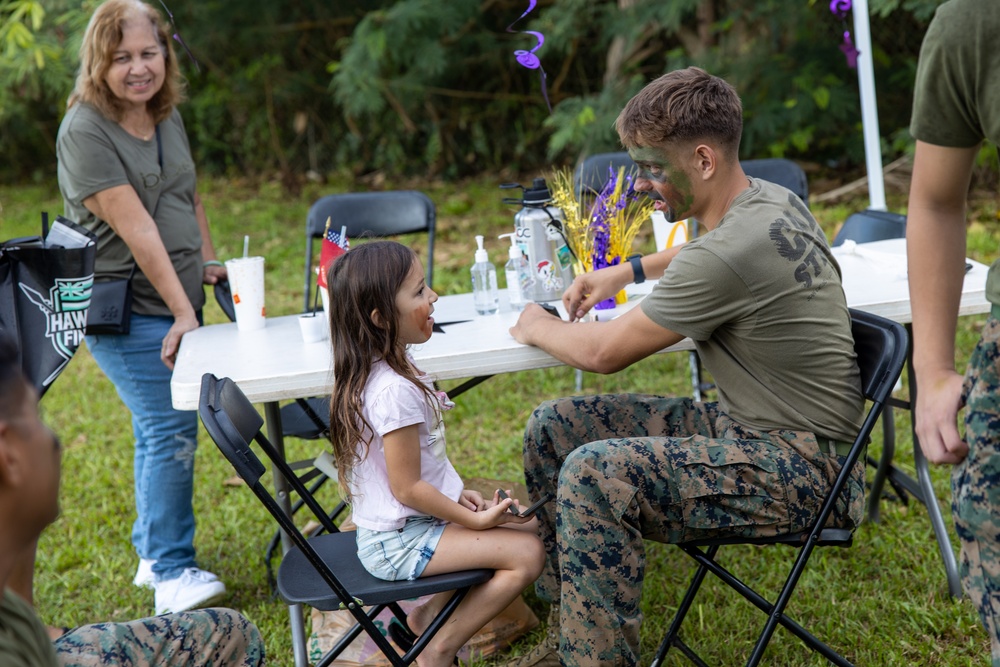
x: 881, y: 347
x: 323, y: 570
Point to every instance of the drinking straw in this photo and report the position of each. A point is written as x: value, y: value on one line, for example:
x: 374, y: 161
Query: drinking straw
x: 246, y: 245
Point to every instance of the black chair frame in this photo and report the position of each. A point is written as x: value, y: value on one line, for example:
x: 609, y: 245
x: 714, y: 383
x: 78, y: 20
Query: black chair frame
x: 881, y: 346
x: 322, y: 571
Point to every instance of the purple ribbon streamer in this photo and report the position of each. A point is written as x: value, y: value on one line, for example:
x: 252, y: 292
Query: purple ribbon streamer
x: 840, y: 8
x: 528, y: 59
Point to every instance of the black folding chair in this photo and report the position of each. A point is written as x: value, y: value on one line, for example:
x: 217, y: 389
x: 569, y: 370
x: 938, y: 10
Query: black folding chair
x: 881, y: 346
x: 323, y: 570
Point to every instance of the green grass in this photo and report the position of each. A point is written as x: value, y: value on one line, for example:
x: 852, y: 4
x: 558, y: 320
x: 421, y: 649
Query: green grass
x: 882, y: 602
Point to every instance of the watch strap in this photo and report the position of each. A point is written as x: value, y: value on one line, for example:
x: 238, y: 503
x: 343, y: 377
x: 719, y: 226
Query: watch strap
x: 638, y: 275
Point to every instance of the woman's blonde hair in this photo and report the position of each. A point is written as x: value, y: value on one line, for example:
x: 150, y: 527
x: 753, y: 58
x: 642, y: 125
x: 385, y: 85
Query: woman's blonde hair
x: 103, y: 35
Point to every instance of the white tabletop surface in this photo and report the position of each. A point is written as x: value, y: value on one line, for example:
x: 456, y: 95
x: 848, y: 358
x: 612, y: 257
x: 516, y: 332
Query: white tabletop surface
x: 274, y: 363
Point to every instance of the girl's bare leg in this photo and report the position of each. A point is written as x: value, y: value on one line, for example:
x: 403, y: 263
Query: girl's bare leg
x: 516, y: 557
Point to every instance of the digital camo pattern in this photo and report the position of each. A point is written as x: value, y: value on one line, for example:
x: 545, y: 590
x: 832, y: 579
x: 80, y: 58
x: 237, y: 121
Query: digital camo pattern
x: 626, y: 468
x: 216, y: 637
x: 975, y: 484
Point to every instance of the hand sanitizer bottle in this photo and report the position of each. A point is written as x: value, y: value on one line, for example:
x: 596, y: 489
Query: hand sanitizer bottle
x: 484, y: 282
x: 518, y: 273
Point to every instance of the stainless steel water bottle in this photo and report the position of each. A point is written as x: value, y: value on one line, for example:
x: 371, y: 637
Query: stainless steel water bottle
x: 538, y: 231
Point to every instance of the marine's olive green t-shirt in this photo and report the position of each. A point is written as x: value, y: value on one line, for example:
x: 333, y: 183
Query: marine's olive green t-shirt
x: 956, y: 99
x: 24, y: 641
x: 96, y: 154
x: 761, y: 297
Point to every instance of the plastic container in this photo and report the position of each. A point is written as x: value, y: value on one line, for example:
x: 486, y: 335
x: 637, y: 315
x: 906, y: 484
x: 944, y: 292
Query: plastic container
x: 484, y: 282
x: 518, y: 274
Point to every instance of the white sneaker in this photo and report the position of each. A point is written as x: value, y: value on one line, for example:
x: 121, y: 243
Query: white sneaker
x: 144, y: 576
x: 193, y: 589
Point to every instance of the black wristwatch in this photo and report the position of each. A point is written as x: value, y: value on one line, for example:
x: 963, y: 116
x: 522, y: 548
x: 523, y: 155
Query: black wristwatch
x: 638, y: 275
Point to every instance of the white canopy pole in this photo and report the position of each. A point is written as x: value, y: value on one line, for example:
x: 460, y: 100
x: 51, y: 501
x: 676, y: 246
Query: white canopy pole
x: 869, y: 110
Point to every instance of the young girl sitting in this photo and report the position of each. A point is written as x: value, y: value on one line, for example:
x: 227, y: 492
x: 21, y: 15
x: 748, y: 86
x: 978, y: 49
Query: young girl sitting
x: 414, y: 517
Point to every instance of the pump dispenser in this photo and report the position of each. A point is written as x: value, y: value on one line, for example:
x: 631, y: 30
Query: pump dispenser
x: 484, y: 282
x: 518, y: 273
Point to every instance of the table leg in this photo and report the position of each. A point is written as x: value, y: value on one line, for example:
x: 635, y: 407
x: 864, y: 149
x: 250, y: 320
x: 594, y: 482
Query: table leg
x: 928, y: 497
x: 272, y: 413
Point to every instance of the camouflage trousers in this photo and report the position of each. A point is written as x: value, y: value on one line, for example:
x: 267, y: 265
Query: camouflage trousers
x: 975, y: 484
x: 625, y: 468
x: 209, y: 637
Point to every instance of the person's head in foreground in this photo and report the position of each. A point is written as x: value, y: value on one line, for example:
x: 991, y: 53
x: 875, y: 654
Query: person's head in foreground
x: 682, y: 129
x: 29, y: 459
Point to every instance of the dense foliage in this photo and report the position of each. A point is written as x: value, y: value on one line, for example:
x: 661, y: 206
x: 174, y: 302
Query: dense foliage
x: 428, y: 87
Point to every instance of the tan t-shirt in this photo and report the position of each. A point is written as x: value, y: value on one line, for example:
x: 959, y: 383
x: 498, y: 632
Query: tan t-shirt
x: 96, y: 154
x: 956, y: 97
x: 23, y: 639
x: 761, y: 297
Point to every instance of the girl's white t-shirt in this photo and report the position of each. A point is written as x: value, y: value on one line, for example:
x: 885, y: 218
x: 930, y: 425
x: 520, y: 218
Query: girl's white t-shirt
x: 391, y: 402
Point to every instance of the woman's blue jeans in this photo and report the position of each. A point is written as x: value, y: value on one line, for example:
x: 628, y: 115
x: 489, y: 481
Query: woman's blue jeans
x: 165, y: 441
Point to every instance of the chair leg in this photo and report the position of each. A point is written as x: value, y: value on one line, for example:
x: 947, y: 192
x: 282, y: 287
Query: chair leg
x: 774, y: 611
x: 882, y: 472
x: 300, y: 651
x: 671, y: 638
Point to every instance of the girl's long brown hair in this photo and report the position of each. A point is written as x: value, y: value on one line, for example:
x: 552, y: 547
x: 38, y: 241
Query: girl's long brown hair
x: 364, y: 280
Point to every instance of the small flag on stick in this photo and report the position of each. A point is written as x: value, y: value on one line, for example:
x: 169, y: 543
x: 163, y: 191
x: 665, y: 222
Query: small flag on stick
x: 335, y: 244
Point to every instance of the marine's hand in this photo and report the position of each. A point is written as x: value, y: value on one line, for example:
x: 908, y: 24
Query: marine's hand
x: 593, y: 287
x: 939, y: 398
x: 523, y: 330
x: 172, y: 341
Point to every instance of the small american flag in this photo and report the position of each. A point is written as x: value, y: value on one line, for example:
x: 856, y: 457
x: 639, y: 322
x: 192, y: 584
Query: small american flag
x: 335, y: 244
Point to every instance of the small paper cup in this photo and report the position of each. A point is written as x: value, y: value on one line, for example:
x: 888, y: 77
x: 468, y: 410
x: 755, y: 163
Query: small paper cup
x: 313, y: 327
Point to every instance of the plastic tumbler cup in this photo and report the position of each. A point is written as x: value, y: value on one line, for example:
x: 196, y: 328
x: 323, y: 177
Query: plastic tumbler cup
x: 246, y: 279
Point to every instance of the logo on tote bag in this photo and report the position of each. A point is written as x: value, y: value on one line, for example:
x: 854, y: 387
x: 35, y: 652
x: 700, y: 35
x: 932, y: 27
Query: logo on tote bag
x: 65, y: 312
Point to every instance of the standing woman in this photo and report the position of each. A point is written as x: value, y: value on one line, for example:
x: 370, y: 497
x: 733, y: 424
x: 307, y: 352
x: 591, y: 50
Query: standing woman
x: 126, y: 173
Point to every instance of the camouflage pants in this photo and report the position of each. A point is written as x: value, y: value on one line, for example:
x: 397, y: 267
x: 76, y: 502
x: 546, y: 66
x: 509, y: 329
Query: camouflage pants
x: 975, y: 484
x: 625, y: 468
x: 216, y: 637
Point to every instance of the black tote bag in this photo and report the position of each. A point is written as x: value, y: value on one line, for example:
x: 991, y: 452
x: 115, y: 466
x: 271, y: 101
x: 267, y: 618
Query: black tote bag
x: 45, y: 292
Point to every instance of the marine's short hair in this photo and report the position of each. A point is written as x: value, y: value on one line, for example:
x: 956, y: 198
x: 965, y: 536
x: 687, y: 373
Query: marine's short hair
x: 681, y: 106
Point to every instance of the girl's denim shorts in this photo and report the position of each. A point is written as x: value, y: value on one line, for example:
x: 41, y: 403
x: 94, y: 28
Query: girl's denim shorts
x: 403, y: 553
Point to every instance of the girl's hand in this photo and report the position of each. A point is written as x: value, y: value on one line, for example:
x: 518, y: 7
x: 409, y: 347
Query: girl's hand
x: 496, y: 514
x: 472, y: 500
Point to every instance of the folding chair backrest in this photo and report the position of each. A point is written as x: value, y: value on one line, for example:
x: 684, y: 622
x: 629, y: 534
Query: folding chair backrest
x: 782, y: 171
x: 235, y: 426
x: 871, y: 225
x: 595, y: 171
x: 371, y: 213
x: 881, y: 346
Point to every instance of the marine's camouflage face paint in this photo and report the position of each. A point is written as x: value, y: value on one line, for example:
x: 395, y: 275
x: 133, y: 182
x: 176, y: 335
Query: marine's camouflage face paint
x: 669, y: 186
